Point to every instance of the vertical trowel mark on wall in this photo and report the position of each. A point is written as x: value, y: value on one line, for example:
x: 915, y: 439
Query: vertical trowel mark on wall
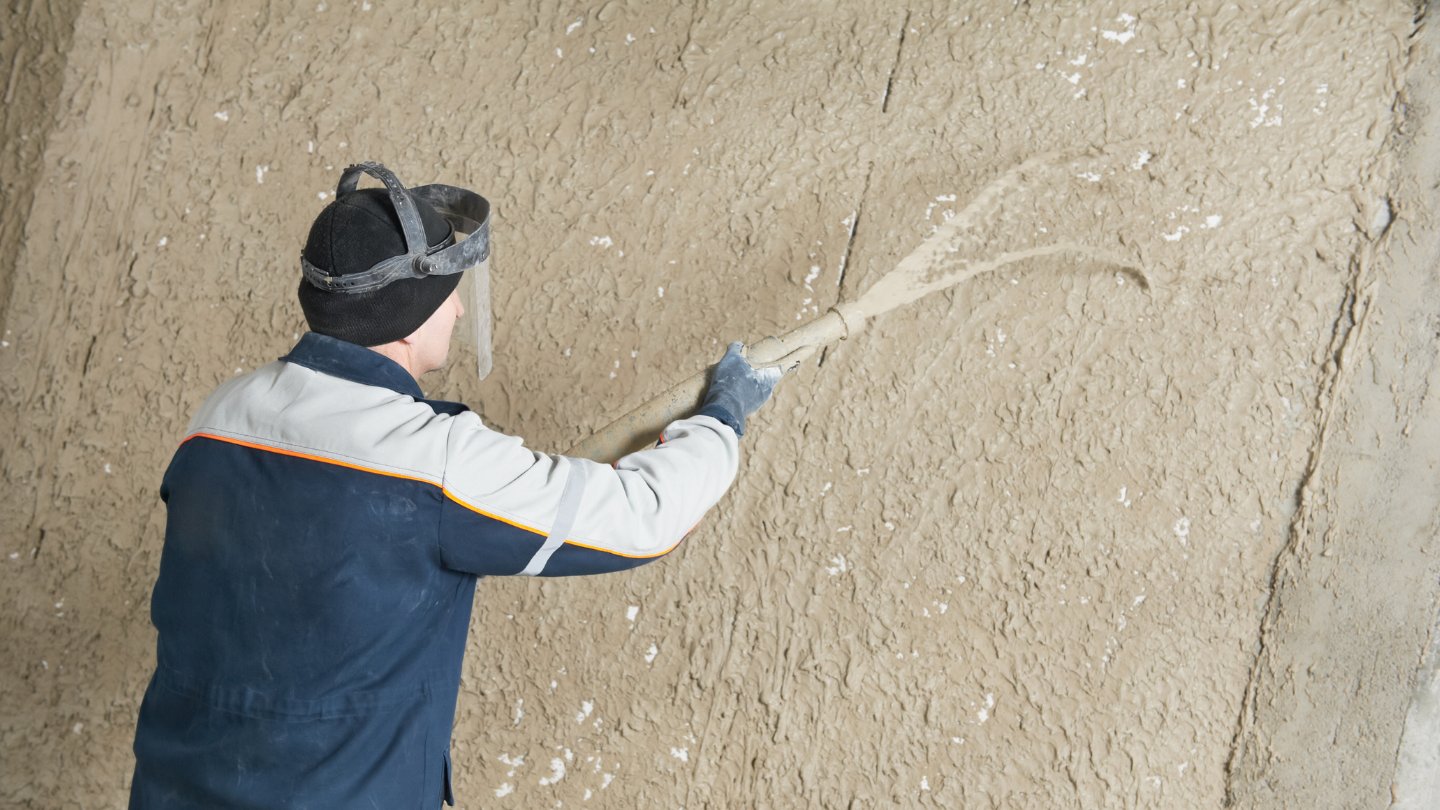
x: 1345, y: 334
x: 38, y: 52
x: 899, y: 48
x: 860, y: 205
x: 718, y: 704
x: 854, y: 226
x: 849, y: 246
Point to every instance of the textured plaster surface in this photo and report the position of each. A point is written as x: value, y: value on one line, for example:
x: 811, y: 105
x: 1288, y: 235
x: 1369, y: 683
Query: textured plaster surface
x: 1014, y: 546
x: 34, y: 43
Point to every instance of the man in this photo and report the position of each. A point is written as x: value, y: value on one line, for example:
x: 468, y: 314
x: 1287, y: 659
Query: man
x: 327, y: 523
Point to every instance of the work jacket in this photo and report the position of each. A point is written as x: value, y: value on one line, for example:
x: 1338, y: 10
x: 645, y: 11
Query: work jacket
x: 326, y: 526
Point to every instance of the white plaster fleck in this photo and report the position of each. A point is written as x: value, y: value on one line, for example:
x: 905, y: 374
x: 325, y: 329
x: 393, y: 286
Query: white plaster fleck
x: 1182, y: 530
x: 513, y: 762
x: 984, y: 713
x: 1262, y: 106
x: 1122, y: 37
x: 557, y: 772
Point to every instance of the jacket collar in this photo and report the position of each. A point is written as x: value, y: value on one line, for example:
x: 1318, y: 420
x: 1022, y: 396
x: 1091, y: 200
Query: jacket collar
x: 348, y: 361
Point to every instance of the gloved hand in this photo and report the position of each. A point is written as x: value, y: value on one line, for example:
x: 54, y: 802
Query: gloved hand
x: 737, y: 389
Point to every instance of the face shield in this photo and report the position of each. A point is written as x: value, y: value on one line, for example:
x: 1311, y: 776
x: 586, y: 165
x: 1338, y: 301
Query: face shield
x: 467, y: 213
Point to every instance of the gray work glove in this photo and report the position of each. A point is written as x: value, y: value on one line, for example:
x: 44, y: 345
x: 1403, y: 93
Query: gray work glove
x: 737, y: 389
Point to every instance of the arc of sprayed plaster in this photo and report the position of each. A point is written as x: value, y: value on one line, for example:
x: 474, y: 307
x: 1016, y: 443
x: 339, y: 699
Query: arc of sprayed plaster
x: 896, y: 290
x: 902, y: 285
x: 640, y: 426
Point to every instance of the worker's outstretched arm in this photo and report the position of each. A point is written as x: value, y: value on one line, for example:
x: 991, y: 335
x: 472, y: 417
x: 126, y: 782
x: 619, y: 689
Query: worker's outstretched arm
x: 510, y: 510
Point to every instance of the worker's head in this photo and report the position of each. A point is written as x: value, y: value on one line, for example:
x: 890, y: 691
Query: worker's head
x: 353, y: 234
x: 382, y: 267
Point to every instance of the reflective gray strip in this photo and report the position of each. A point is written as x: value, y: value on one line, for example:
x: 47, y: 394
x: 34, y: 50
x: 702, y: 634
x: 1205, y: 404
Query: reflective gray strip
x: 564, y: 519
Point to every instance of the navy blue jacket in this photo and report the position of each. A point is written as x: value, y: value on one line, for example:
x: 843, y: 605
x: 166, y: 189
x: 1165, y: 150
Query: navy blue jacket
x: 326, y: 525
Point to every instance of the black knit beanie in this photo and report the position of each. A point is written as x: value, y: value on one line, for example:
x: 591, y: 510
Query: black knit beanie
x: 354, y: 233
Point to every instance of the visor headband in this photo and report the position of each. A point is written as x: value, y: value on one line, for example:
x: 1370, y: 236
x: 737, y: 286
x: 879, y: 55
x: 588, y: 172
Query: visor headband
x: 463, y: 210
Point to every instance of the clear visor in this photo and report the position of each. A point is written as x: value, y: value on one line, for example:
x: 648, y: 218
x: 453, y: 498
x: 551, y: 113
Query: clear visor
x: 475, y: 327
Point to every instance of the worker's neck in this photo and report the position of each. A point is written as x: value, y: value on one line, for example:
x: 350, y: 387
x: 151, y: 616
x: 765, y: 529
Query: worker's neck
x: 401, y: 353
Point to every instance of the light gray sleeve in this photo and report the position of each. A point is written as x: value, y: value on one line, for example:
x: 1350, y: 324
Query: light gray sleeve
x: 583, y: 516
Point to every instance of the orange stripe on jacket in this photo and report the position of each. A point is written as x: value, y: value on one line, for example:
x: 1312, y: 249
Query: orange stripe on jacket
x: 452, y: 496
x: 297, y: 454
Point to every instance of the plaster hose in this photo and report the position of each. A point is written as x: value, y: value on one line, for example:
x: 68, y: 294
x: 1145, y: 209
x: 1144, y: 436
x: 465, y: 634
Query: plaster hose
x: 931, y: 267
